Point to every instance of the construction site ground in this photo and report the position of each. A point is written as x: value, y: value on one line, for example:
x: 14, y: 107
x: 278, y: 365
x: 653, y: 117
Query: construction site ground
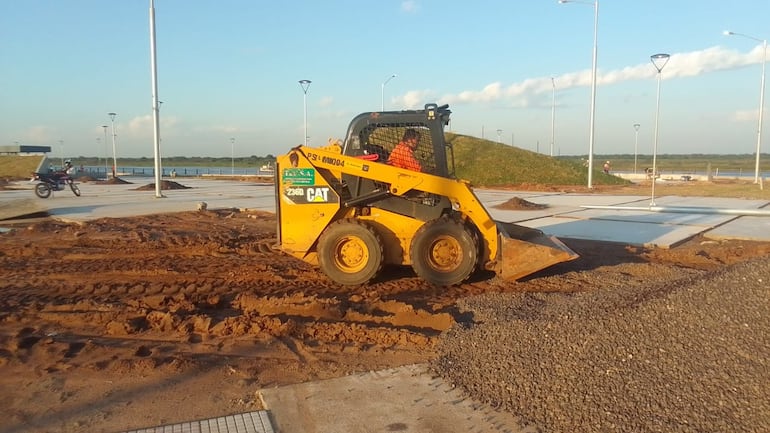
x: 120, y: 310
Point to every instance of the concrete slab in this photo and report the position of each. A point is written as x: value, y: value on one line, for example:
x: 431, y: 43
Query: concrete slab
x: 19, y: 206
x: 567, y: 217
x: 564, y: 215
x: 747, y: 228
x: 123, y: 200
x: 659, y: 234
x: 405, y: 399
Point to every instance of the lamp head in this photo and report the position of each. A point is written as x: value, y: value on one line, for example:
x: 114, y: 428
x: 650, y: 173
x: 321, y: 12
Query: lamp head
x: 659, y: 60
x: 727, y: 33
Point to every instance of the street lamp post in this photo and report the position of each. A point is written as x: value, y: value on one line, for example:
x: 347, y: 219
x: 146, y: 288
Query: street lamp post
x: 382, y: 92
x: 595, y: 4
x: 114, y: 154
x: 553, y: 112
x: 636, y: 143
x: 61, y: 152
x: 761, y: 97
x: 305, y: 84
x: 98, y: 150
x: 106, y: 154
x: 659, y: 61
x: 232, y: 155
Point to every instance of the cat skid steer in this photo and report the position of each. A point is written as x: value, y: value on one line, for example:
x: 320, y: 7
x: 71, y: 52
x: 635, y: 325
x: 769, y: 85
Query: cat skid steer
x: 349, y: 210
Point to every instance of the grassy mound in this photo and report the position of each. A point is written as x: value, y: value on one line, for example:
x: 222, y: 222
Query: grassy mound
x: 19, y: 167
x: 486, y: 163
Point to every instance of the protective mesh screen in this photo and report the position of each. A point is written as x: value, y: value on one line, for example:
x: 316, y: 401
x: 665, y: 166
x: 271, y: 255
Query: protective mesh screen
x: 382, y: 139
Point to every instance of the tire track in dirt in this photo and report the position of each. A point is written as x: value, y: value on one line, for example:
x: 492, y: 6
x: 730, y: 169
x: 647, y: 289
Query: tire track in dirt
x: 192, y: 290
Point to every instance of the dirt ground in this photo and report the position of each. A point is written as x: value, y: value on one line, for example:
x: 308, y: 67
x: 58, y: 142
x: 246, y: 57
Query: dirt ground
x: 128, y: 323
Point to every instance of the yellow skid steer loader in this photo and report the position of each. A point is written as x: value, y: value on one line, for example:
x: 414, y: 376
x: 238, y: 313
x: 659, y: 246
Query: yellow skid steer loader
x: 387, y: 196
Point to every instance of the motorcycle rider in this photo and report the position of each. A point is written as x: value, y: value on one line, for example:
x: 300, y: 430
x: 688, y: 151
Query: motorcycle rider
x: 62, y: 174
x: 68, y: 167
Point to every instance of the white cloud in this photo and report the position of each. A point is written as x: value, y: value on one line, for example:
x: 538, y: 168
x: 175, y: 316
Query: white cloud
x: 518, y: 94
x: 414, y: 99
x: 326, y: 101
x: 744, y: 116
x: 37, y: 135
x: 410, y: 6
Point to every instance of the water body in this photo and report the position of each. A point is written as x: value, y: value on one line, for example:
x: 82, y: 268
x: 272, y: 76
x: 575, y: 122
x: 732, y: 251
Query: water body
x: 102, y: 172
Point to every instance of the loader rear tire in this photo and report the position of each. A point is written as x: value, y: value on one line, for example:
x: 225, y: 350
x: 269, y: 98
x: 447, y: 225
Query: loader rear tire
x: 444, y: 252
x: 350, y: 252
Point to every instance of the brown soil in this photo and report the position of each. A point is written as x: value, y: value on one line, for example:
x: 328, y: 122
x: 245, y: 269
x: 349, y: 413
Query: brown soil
x: 517, y: 203
x: 113, y: 181
x: 128, y: 323
x: 164, y: 185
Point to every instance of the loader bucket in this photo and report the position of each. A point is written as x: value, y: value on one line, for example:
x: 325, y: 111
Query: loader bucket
x: 524, y: 251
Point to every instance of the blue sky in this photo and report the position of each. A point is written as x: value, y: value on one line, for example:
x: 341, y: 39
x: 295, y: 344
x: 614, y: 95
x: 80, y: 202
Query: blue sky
x: 230, y: 69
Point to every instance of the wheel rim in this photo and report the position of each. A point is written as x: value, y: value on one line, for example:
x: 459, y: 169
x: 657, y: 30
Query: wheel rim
x: 445, y: 253
x: 42, y: 190
x: 351, y: 254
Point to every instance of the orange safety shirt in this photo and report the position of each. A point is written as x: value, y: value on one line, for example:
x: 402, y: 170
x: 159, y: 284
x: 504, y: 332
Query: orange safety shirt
x: 403, y: 157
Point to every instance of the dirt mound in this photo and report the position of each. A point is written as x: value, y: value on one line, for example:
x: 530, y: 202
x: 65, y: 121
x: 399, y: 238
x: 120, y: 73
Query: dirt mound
x: 164, y: 185
x: 113, y: 181
x: 517, y: 203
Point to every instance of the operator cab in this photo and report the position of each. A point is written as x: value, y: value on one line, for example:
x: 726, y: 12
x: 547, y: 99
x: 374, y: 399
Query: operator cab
x: 374, y: 136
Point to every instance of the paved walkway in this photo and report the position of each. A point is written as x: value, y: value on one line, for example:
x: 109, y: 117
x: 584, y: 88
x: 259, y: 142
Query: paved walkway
x: 613, y: 218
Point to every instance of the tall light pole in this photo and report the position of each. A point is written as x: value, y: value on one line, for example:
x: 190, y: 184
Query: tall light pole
x: 761, y: 97
x: 232, y: 154
x: 155, y: 104
x: 659, y: 61
x: 61, y: 152
x: 553, y: 112
x: 382, y: 92
x: 106, y: 154
x: 305, y: 84
x: 114, y: 154
x: 595, y: 4
x: 636, y: 143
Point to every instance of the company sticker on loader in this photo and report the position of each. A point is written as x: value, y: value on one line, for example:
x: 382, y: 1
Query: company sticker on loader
x: 298, y: 176
x: 310, y: 194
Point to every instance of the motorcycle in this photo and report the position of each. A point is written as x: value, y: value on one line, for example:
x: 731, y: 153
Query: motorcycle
x: 49, y: 182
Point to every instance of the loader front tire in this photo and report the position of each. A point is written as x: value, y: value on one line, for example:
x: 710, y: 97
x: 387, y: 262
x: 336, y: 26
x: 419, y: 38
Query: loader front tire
x: 350, y: 252
x: 444, y: 252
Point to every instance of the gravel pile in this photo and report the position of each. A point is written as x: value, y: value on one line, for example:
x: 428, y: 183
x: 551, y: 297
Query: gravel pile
x: 690, y: 355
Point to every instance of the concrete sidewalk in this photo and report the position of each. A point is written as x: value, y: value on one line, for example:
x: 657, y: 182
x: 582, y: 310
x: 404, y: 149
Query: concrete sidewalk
x: 565, y: 215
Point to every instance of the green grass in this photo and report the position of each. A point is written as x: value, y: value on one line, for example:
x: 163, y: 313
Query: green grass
x: 490, y: 164
x: 14, y: 167
x: 487, y: 163
x: 695, y: 163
